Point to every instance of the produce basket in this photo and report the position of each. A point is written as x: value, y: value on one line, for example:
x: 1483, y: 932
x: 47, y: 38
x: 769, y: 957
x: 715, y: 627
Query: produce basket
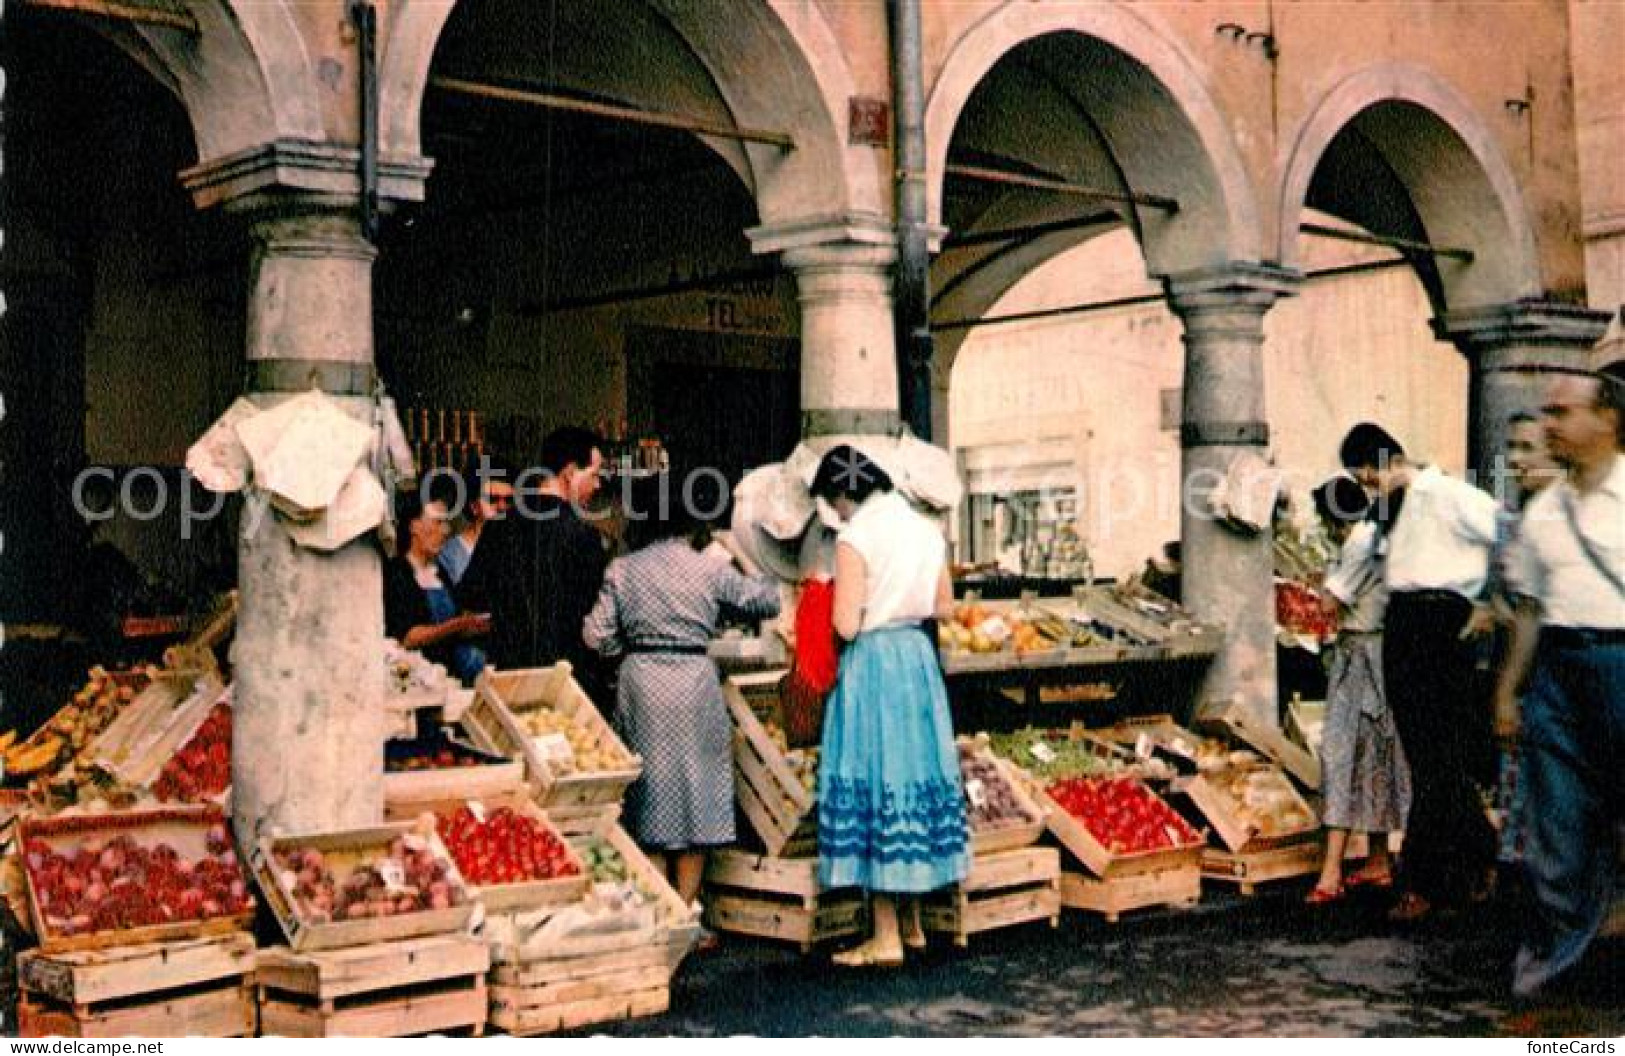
x: 1003, y: 816
x: 526, y: 894
x: 192, y: 833
x: 1252, y: 807
x: 344, y: 852
x: 776, y: 788
x: 441, y: 767
x: 584, y: 763
x: 1095, y: 852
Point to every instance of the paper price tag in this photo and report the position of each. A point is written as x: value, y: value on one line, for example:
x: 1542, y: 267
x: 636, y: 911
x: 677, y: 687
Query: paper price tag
x: 976, y: 793
x: 413, y: 842
x: 476, y: 808
x: 393, y: 874
x: 1144, y: 746
x: 1043, y: 752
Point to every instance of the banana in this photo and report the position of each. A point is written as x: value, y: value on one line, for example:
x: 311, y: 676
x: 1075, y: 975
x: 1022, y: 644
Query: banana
x: 35, y: 758
x: 7, y: 739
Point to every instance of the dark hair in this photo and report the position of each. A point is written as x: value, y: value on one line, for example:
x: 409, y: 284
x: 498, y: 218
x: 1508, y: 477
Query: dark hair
x: 1611, y: 395
x: 1341, y: 501
x: 1519, y: 417
x: 409, y: 503
x: 846, y: 472
x: 570, y: 445
x: 1369, y: 444
x: 673, y: 504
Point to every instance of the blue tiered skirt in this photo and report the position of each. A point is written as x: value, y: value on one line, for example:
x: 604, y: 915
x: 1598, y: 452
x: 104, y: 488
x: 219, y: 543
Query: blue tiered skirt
x: 891, y: 812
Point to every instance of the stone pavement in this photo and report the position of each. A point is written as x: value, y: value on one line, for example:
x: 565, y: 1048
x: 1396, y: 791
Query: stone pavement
x: 1267, y: 966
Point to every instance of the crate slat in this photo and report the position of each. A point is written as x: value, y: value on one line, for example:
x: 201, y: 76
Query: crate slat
x: 463, y: 1005
x: 635, y: 1005
x: 782, y: 813
x: 333, y: 974
x: 93, y: 976
x: 1002, y: 890
x: 1247, y: 869
x: 1219, y: 808
x: 224, y: 1012
x: 502, y: 696
x: 1114, y: 896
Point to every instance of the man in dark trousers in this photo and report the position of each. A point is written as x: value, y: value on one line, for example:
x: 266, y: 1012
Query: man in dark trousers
x: 539, y: 569
x: 1437, y: 533
x: 1567, y: 571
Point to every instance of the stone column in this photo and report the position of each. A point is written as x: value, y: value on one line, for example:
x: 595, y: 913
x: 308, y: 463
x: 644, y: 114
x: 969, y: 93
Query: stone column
x: 1228, y: 574
x: 308, y: 656
x: 1512, y: 350
x: 848, y: 347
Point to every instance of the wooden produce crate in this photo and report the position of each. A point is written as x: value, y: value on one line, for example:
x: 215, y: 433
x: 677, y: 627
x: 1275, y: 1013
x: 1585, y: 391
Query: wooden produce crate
x: 75, y: 727
x: 1148, y: 734
x: 1003, y: 889
x: 345, y: 851
x: 496, y: 777
x: 1248, y: 869
x: 575, y: 982
x: 1095, y: 856
x: 777, y: 806
x: 209, y: 1010
x: 532, y: 894
x: 779, y: 898
x: 502, y: 701
x: 183, y: 828
x: 1209, y: 793
x: 87, y: 978
x: 1009, y: 837
x: 1112, y: 896
x: 156, y: 725
x: 1231, y: 719
x: 385, y: 990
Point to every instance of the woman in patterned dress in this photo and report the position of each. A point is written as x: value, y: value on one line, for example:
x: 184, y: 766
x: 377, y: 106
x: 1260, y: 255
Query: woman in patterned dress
x: 891, y: 812
x: 1365, y: 779
x: 658, y: 609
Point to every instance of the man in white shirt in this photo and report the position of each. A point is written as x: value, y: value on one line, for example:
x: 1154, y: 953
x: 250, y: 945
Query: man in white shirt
x: 1567, y: 573
x: 1438, y: 533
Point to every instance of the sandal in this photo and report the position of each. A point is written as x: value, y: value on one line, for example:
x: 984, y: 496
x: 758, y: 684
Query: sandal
x: 867, y: 955
x: 1322, y: 896
x: 1412, y: 908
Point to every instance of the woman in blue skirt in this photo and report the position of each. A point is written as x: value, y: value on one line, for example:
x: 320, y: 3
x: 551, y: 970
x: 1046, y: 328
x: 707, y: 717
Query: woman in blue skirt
x: 891, y: 812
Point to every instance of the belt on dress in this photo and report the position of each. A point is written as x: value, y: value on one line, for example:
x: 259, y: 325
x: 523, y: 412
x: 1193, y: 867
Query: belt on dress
x: 1428, y: 595
x: 667, y: 650
x: 1581, y: 637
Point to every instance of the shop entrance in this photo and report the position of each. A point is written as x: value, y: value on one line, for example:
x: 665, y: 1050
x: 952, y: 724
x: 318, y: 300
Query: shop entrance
x: 728, y: 401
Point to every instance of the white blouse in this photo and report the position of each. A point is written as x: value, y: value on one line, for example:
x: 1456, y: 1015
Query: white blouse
x: 903, y: 554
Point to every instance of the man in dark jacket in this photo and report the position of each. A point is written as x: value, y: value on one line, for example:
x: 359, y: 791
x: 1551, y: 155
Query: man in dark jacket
x: 538, y: 571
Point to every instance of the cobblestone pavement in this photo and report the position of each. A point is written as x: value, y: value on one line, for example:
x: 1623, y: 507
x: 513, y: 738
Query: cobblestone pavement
x: 1231, y: 967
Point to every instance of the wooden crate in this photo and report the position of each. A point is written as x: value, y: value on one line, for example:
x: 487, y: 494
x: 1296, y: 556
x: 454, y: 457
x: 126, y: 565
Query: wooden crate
x: 393, y: 990
x: 183, y: 828
x: 1073, y: 835
x: 212, y: 1010
x: 1231, y: 719
x: 156, y: 725
x: 503, y: 697
x: 546, y: 1019
x: 501, y: 777
x: 1113, y: 896
x: 498, y: 897
x: 779, y: 898
x: 778, y: 809
x: 1008, y: 837
x: 1208, y: 794
x: 1003, y: 889
x: 1248, y: 869
x: 93, y: 977
x: 547, y: 994
x: 349, y: 848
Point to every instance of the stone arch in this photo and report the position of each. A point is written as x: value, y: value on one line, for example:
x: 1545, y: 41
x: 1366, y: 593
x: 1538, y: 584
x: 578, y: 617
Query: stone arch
x: 775, y: 63
x: 245, y: 78
x: 1186, y: 152
x: 1460, y: 185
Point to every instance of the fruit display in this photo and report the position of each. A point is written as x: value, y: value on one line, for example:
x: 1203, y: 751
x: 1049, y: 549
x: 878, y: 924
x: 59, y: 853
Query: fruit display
x: 1048, y: 754
x: 406, y: 877
x: 201, y: 770
x: 586, y: 755
x: 1165, y: 741
x: 503, y: 846
x: 977, y: 629
x: 1263, y: 799
x: 124, y: 882
x: 607, y: 865
x: 1300, y: 611
x: 993, y: 802
x: 71, y: 730
x: 1122, y: 814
